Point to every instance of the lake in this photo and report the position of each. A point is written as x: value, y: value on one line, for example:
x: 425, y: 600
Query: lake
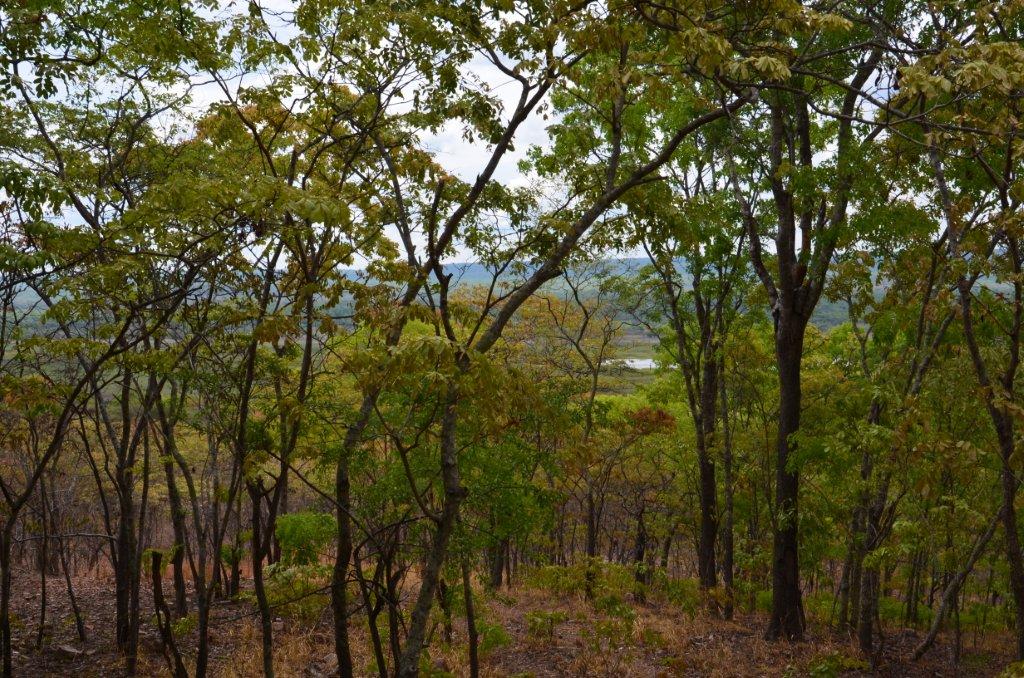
x: 638, y: 363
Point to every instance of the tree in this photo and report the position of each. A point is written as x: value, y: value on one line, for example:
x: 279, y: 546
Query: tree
x: 696, y: 279
x: 812, y: 197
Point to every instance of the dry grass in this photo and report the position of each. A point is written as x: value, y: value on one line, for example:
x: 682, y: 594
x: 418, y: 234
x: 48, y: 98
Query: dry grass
x: 661, y: 640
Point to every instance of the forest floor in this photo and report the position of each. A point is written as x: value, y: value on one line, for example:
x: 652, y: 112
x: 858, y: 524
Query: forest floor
x: 524, y: 632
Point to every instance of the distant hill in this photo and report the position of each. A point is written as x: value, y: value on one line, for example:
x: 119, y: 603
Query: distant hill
x: 826, y: 315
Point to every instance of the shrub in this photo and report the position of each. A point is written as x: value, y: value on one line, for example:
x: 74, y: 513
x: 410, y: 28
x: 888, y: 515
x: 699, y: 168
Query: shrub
x: 541, y: 624
x: 559, y: 580
x: 572, y: 579
x: 616, y: 608
x: 1015, y: 670
x: 652, y: 637
x: 298, y: 591
x: 606, y: 641
x: 836, y: 664
x: 303, y: 536
x: 184, y: 626
x: 492, y: 635
x: 231, y: 555
x: 683, y: 593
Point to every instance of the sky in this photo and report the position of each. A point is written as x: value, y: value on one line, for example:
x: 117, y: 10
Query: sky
x: 462, y: 158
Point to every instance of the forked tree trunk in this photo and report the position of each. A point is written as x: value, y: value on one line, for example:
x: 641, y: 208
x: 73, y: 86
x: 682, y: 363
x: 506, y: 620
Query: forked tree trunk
x: 163, y: 621
x: 408, y: 665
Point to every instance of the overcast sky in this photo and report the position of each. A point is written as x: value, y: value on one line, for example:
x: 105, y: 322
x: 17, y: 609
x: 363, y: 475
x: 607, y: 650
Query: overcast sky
x: 458, y: 156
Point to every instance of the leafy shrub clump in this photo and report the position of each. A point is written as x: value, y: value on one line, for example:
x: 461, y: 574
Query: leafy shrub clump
x: 541, y: 625
x: 298, y: 591
x: 683, y: 593
x: 492, y: 635
x: 303, y: 536
x: 607, y: 578
x: 836, y: 664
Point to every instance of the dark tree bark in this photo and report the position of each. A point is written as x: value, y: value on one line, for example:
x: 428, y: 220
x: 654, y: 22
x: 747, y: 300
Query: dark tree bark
x: 177, y: 510
x: 870, y: 575
x: 728, y: 546
x: 787, y: 613
x: 639, y: 557
x: 590, y: 545
x: 706, y: 566
x: 1014, y: 557
x: 5, y: 598
x: 496, y: 562
x: 474, y: 655
x: 44, y: 557
x: 163, y: 621
x: 344, y: 542
x: 262, y: 603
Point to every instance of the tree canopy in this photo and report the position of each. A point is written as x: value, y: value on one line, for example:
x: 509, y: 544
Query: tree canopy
x: 349, y: 316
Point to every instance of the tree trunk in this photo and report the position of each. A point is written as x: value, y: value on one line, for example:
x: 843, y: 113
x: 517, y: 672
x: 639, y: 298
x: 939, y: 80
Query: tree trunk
x: 590, y: 577
x: 728, y: 546
x: 870, y: 585
x: 235, y: 582
x: 496, y: 564
x: 44, y: 557
x: 453, y: 493
x: 124, y: 565
x: 474, y: 656
x: 5, y: 597
x: 163, y: 622
x: 134, y: 603
x: 910, y: 616
x: 178, y: 526
x: 706, y: 567
x: 639, y: 558
x: 343, y: 552
x: 787, y: 613
x: 952, y: 590
x: 339, y: 575
x: 869, y: 592
x: 849, y: 585
x: 1012, y: 536
x: 342, y: 558
x: 266, y: 622
x: 666, y: 547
